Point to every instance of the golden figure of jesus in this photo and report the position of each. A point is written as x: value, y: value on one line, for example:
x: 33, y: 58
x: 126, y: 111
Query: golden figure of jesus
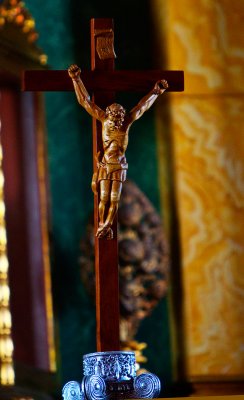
x: 112, y: 165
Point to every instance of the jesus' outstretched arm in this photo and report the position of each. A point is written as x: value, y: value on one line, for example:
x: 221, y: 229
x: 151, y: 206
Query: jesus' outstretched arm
x: 82, y: 94
x: 147, y: 101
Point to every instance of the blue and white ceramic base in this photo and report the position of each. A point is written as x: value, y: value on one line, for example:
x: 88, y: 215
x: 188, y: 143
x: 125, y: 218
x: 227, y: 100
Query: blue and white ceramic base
x: 112, y: 375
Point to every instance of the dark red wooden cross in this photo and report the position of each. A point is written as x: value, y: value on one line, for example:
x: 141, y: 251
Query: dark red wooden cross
x: 103, y: 81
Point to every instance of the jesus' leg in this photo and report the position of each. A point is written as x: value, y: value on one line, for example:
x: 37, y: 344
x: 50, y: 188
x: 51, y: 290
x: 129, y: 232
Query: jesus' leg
x: 104, y: 198
x: 105, y: 229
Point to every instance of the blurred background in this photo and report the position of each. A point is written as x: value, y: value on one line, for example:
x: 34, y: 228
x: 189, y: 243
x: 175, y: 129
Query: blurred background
x: 186, y: 159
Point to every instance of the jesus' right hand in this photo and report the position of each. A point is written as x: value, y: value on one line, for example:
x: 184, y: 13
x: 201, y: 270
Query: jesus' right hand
x: 74, y: 71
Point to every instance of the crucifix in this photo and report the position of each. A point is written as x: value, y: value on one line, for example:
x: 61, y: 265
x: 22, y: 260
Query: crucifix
x: 103, y: 81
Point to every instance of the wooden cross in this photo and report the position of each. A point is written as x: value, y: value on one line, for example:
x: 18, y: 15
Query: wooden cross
x: 104, y: 81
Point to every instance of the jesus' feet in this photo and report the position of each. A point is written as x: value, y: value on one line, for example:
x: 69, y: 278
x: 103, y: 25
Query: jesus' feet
x: 104, y: 231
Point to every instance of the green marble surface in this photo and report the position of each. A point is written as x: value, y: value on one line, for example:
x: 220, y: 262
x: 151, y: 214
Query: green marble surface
x: 64, y: 36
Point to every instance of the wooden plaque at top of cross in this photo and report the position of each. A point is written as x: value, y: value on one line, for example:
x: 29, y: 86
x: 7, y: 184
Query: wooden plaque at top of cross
x: 110, y: 137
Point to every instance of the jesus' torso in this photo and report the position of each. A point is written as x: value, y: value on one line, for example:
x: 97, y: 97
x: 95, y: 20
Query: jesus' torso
x: 115, y: 141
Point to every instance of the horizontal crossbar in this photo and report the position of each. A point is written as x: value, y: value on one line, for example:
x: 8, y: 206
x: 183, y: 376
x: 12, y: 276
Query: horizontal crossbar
x: 94, y: 81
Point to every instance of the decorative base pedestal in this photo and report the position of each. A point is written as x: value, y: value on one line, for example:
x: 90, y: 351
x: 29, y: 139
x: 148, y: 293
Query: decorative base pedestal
x: 111, y: 375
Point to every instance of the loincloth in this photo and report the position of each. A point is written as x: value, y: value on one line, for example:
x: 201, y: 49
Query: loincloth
x: 114, y: 172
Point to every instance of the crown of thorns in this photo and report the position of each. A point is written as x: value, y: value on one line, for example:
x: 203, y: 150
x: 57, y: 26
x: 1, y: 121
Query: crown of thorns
x: 115, y: 108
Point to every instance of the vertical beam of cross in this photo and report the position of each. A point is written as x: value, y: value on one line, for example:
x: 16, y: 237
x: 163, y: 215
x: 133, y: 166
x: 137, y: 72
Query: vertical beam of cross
x: 106, y: 251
